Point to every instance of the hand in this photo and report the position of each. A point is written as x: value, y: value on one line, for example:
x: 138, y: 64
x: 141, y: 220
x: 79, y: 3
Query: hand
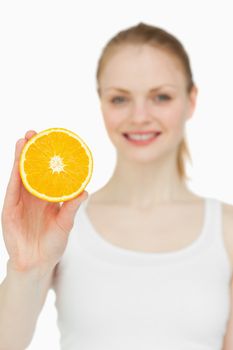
x: 35, y: 231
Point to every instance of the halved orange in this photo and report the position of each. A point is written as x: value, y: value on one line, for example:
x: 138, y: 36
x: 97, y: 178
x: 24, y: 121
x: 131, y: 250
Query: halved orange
x: 56, y: 165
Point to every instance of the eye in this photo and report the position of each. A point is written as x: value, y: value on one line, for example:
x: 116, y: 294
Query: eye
x: 118, y: 100
x: 162, y: 97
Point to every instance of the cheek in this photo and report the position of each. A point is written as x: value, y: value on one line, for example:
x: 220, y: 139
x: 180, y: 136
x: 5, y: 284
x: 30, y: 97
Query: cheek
x: 113, y: 119
x: 173, y: 117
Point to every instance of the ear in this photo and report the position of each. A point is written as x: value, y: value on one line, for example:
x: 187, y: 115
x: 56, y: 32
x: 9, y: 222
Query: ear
x: 192, y: 101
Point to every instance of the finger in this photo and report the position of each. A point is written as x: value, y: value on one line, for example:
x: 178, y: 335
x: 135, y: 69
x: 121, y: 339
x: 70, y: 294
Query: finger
x: 18, y: 149
x: 14, y: 185
x: 66, y: 215
x: 29, y: 134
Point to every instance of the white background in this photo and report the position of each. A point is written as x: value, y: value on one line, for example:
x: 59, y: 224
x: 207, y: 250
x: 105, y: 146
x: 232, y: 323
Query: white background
x: 48, y: 57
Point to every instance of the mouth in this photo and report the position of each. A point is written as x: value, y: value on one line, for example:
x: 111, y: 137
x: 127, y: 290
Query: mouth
x: 142, y: 138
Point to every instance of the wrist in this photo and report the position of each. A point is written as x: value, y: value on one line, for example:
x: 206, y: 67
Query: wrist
x: 36, y: 274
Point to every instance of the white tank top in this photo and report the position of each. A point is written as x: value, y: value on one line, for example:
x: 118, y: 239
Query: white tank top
x: 111, y: 298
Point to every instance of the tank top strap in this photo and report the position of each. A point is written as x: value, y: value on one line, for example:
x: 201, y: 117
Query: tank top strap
x: 215, y: 232
x: 213, y: 219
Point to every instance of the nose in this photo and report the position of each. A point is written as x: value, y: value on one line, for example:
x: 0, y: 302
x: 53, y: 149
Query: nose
x: 140, y: 111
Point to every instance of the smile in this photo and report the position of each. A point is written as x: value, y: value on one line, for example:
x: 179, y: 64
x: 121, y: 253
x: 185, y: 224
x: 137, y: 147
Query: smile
x: 141, y: 139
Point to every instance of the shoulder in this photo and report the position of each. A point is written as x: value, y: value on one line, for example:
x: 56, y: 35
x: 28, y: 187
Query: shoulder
x: 227, y: 212
x: 227, y: 215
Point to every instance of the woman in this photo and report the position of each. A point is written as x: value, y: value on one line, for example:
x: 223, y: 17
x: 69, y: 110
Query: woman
x: 147, y: 264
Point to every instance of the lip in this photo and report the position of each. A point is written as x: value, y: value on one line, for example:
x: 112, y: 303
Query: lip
x: 142, y: 142
x: 143, y: 132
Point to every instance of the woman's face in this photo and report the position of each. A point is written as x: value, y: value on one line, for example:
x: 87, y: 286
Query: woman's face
x: 143, y: 90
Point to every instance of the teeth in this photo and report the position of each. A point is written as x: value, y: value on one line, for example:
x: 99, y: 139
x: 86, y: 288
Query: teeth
x: 141, y: 137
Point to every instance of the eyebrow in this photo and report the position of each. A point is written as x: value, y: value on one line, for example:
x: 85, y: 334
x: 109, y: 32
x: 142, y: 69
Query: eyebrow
x: 151, y: 90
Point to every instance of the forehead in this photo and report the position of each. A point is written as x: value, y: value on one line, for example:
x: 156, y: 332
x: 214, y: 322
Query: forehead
x: 143, y: 65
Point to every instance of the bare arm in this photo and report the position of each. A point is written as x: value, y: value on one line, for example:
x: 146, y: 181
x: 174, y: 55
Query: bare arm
x: 228, y: 338
x: 22, y: 296
x: 228, y: 234
x: 35, y: 233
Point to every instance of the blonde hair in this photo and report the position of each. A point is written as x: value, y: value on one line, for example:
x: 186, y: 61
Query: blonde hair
x: 159, y: 38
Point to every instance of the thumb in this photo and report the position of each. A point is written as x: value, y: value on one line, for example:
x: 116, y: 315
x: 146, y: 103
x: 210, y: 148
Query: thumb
x: 14, y: 185
x: 66, y: 214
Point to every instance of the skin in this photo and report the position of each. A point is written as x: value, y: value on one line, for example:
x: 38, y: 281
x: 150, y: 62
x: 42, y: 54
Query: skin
x: 145, y: 176
x: 35, y: 231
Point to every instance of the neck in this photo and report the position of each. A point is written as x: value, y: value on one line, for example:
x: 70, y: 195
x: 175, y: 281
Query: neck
x: 142, y: 185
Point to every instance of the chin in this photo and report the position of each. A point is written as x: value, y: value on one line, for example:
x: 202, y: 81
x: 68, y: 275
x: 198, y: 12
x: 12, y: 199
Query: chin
x: 141, y: 157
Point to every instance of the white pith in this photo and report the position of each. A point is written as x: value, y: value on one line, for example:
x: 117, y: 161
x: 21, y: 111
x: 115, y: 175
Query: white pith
x: 56, y: 164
